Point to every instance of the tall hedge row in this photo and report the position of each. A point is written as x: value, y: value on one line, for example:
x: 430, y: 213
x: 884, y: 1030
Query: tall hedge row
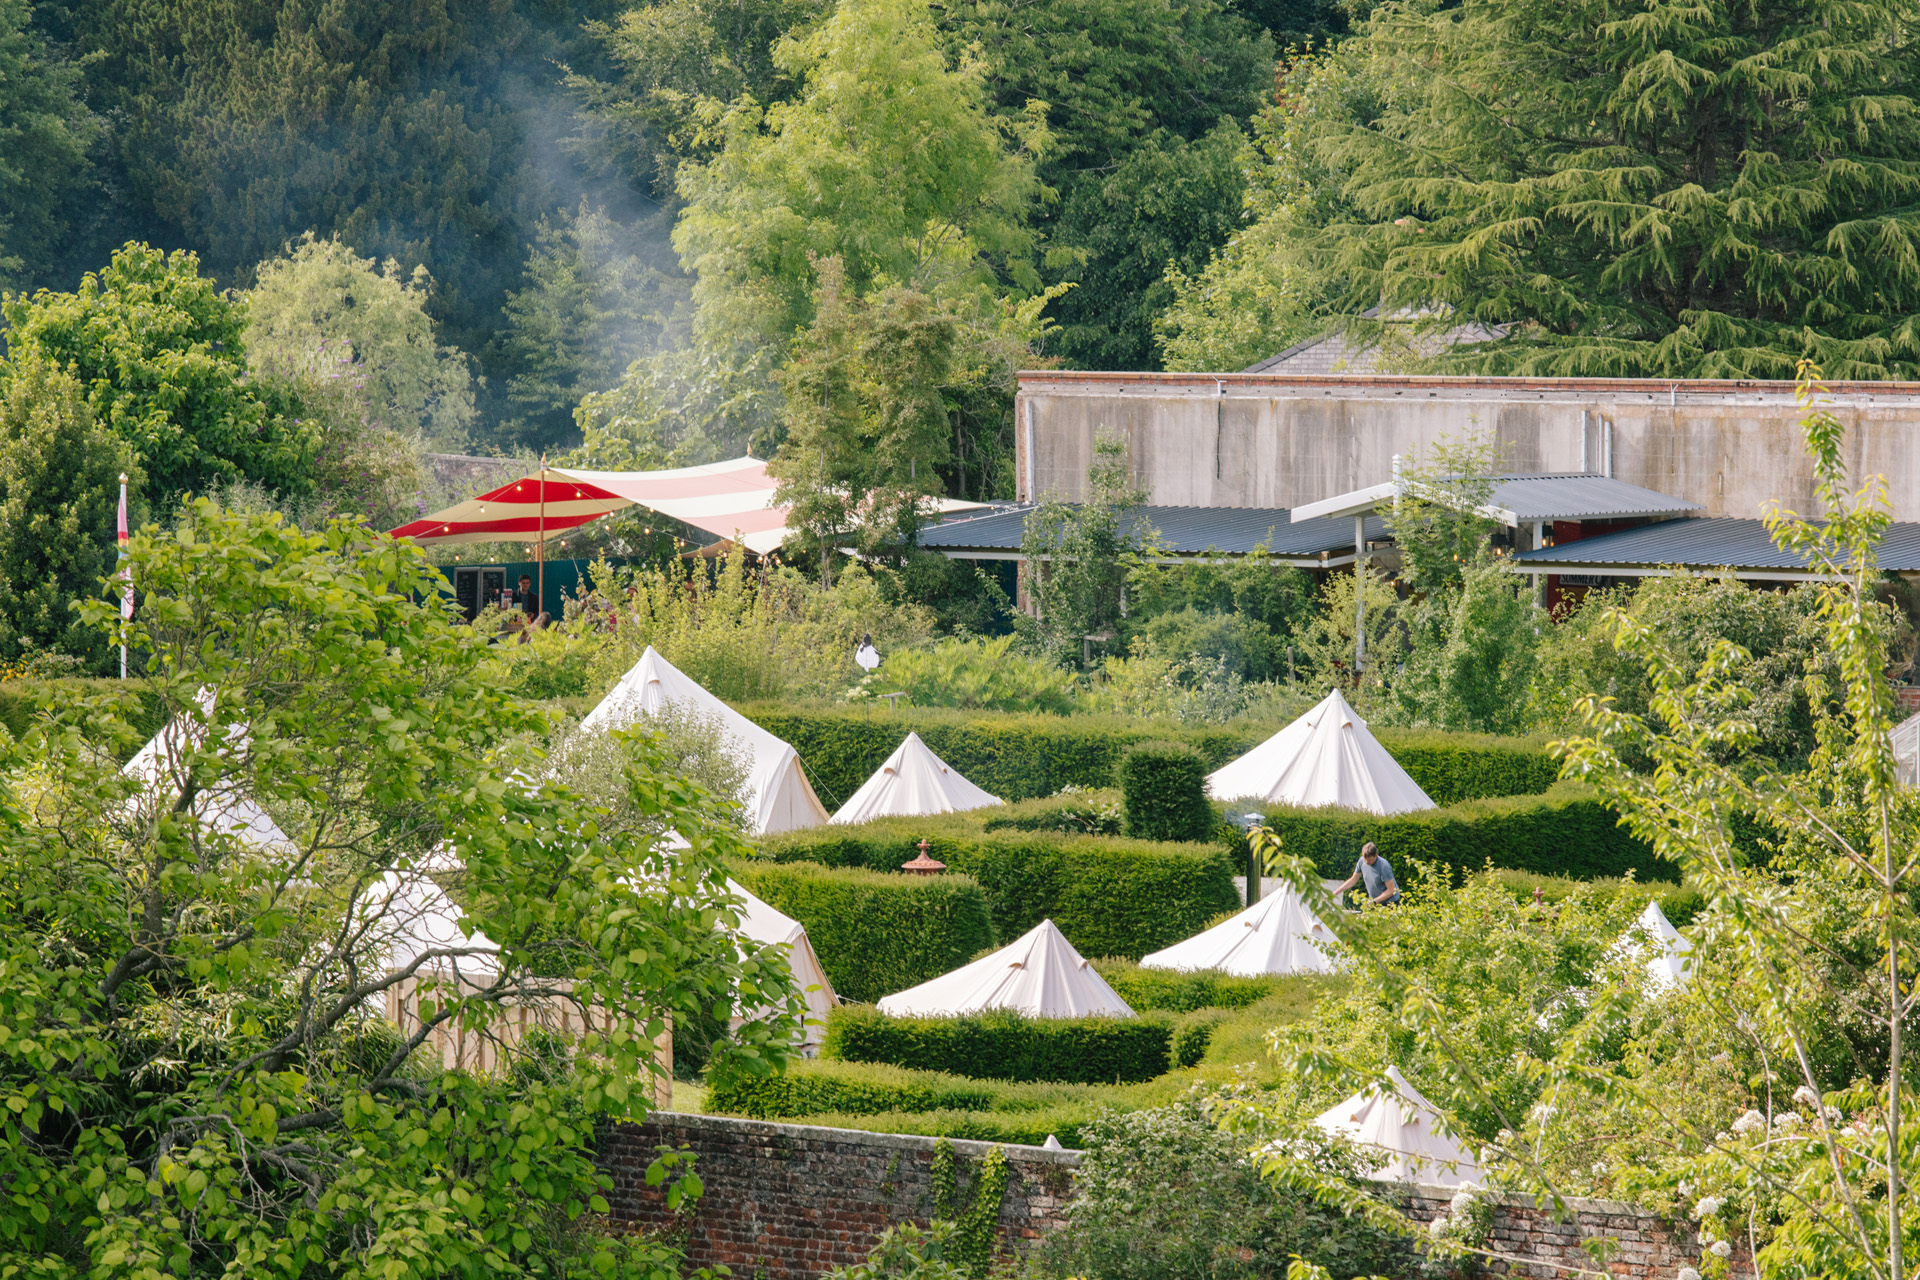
x: 1110, y: 896
x: 1164, y: 785
x: 1022, y: 757
x: 1007, y: 1046
x: 877, y: 933
x: 855, y: 1088
x: 1566, y: 832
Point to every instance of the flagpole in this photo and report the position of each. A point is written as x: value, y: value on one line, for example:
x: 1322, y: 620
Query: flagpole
x: 126, y: 595
x: 540, y: 554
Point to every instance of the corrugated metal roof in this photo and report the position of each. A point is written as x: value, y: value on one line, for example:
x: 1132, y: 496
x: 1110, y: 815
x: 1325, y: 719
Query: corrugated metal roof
x: 1707, y: 544
x: 1582, y: 497
x: 1184, y: 531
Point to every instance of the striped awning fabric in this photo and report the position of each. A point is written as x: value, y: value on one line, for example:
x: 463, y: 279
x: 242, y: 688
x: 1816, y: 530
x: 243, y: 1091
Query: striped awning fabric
x: 732, y: 499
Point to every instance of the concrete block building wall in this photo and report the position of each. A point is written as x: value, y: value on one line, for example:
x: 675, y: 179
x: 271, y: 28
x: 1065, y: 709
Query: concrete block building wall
x: 1263, y: 440
x: 787, y: 1202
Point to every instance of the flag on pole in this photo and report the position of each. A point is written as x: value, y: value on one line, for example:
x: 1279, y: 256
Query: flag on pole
x: 126, y: 595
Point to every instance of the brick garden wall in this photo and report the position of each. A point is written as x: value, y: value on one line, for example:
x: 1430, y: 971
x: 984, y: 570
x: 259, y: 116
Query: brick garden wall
x: 787, y: 1202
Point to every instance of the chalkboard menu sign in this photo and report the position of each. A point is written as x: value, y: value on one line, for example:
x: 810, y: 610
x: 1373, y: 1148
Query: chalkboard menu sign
x: 492, y: 583
x: 466, y: 590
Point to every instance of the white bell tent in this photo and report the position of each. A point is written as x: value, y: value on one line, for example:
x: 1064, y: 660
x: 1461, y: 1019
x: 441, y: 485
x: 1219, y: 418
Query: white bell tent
x: 1041, y: 976
x: 1665, y: 950
x: 224, y: 807
x: 913, y: 783
x: 1407, y: 1128
x: 1278, y: 934
x: 1326, y: 757
x: 779, y: 796
x: 764, y: 923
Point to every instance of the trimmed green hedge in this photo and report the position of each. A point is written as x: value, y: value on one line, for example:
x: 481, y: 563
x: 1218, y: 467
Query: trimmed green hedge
x: 1171, y: 991
x: 1111, y: 897
x: 1094, y: 812
x: 877, y: 933
x: 1006, y: 1046
x: 1164, y: 785
x: 1566, y: 832
x: 1067, y: 1122
x: 1024, y: 757
x: 853, y: 1088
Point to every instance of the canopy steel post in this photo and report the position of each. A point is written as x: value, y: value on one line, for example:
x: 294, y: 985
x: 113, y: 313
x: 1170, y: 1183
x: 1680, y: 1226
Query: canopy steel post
x: 540, y: 547
x: 1359, y: 596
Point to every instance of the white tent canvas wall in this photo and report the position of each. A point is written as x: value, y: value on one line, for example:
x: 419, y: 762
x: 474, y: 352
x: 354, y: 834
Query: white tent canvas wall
x: 1406, y: 1128
x: 1278, y: 934
x: 779, y: 797
x: 1665, y: 951
x: 1326, y: 757
x: 224, y: 807
x: 1041, y: 975
x: 764, y: 923
x: 913, y: 783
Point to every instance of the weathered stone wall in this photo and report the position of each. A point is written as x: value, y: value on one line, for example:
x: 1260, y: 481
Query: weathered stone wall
x: 1527, y: 1241
x: 1261, y: 440
x: 784, y: 1202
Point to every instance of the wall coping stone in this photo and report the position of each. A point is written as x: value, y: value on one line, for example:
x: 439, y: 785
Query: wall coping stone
x: 866, y: 1137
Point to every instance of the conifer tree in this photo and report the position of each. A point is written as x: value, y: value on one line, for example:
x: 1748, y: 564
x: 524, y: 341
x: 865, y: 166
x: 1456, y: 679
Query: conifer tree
x: 1710, y: 189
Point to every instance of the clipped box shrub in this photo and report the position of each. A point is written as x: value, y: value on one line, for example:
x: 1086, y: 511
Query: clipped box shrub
x: 1006, y: 1046
x: 1163, y: 789
x: 1171, y: 991
x: 1109, y: 896
x: 1565, y: 832
x: 877, y: 933
x: 1026, y: 757
x: 851, y: 1088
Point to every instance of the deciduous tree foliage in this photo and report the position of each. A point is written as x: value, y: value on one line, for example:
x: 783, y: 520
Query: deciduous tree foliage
x: 1689, y: 190
x: 193, y: 1060
x: 160, y: 354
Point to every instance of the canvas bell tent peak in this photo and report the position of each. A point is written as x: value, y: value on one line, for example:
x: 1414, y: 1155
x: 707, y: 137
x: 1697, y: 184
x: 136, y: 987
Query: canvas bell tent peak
x: 421, y: 920
x: 1278, y: 934
x: 1407, y: 1129
x: 913, y: 783
x: 1041, y: 975
x: 779, y: 797
x: 1326, y: 757
x: 764, y: 923
x: 224, y: 807
x: 1665, y: 950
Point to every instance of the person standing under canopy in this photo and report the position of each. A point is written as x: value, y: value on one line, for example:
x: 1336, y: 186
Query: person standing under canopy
x: 1382, y: 888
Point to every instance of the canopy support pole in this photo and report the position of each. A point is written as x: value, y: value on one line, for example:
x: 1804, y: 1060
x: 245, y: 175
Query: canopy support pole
x: 540, y: 547
x: 1359, y: 595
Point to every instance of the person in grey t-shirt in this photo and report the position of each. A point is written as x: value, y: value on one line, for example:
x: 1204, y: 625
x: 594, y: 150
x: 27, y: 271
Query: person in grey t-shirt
x: 1377, y: 872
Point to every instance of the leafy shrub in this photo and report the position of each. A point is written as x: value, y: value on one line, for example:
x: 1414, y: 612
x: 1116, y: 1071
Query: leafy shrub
x: 1192, y: 1035
x: 1164, y: 1195
x: 982, y: 675
x: 1109, y: 896
x: 1164, y: 791
x: 1005, y: 1046
x: 1026, y: 757
x: 1087, y: 811
x: 20, y: 700
x: 1175, y: 992
x: 877, y: 932
x: 856, y: 1088
x: 1567, y: 832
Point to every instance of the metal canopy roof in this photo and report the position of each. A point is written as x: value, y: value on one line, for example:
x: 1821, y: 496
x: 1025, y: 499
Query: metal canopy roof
x: 1523, y: 499
x: 1702, y: 544
x: 1185, y: 533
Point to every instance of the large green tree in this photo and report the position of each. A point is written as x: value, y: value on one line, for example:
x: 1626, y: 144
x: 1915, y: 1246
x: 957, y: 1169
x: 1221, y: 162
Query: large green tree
x: 44, y: 135
x: 193, y: 1059
x: 1673, y: 190
x: 160, y: 353
x: 59, y: 490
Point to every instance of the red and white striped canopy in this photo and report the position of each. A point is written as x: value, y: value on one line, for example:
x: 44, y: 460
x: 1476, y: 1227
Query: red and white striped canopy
x: 731, y: 499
